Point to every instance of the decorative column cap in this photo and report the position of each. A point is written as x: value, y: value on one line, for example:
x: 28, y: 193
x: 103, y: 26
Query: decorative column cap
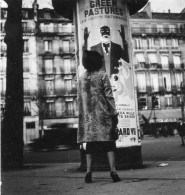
x: 65, y: 7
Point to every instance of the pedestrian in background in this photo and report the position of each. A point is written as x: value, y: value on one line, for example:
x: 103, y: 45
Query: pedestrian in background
x: 181, y: 130
x: 97, y: 113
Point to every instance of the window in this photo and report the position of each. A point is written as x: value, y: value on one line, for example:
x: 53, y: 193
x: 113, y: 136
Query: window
x: 141, y: 81
x: 2, y: 26
x: 26, y: 86
x: 48, y: 27
x: 140, y: 60
x: 157, y: 102
x: 3, y: 46
x: 25, y: 49
x: 2, y: 86
x: 179, y: 100
x: 4, y: 14
x: 60, y: 27
x: 51, y: 107
x: 26, y: 67
x: 47, y: 45
x: 178, y: 79
x: 164, y: 61
x: 152, y: 59
x: 175, y: 43
x: 3, y: 64
x: 142, y: 103
x: 49, y: 87
x: 30, y: 125
x: 167, y: 81
x: 25, y: 14
x: 48, y: 66
x: 177, y: 61
x: 168, y: 100
x: 47, y: 15
x: 67, y: 65
x: 160, y: 28
x: 150, y: 43
x: 69, y: 106
x: 66, y: 46
x: 24, y: 26
x: 154, y: 82
x: 148, y: 28
x: 172, y: 28
x: 138, y: 43
x: 163, y: 43
x: 68, y: 86
x: 67, y: 28
x: 27, y: 108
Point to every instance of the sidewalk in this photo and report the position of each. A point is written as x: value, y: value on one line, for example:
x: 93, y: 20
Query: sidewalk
x: 65, y: 179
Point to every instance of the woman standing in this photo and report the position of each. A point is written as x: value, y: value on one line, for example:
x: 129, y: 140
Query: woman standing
x: 97, y: 113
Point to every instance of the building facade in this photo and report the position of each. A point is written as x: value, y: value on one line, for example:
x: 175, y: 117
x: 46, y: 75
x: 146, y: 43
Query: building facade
x: 159, y: 61
x: 56, y: 70
x: 50, y: 84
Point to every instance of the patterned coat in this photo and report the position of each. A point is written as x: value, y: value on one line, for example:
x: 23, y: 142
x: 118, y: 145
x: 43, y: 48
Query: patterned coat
x: 96, y: 106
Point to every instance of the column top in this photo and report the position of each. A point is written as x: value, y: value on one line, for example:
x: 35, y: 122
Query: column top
x: 65, y: 7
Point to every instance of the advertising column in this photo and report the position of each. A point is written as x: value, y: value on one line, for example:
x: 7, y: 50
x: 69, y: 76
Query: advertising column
x: 103, y: 26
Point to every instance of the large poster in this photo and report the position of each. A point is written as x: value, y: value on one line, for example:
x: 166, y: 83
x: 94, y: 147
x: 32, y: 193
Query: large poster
x: 103, y: 26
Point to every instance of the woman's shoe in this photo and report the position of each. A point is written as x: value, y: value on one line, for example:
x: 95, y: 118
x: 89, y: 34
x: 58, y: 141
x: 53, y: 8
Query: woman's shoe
x: 88, y: 177
x: 114, y: 177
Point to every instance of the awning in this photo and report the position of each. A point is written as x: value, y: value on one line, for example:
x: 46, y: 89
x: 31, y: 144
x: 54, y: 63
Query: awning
x: 152, y: 58
x: 162, y: 116
x: 140, y: 57
x: 69, y: 121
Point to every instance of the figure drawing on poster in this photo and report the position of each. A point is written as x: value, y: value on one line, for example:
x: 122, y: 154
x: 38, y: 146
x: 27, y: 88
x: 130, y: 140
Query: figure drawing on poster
x: 116, y: 60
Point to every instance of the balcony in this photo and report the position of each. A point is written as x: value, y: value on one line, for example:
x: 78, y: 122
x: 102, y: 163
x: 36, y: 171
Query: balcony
x: 158, y: 31
x: 53, y: 30
x: 66, y: 51
x: 28, y: 30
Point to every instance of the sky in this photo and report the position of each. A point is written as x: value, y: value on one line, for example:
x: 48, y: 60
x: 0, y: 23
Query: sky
x: 175, y: 6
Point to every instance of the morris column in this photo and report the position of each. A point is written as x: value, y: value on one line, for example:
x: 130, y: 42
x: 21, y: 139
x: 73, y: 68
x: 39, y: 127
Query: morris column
x: 104, y: 26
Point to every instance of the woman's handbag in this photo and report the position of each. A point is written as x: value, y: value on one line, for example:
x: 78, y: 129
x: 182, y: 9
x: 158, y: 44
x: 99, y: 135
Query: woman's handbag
x: 114, y: 130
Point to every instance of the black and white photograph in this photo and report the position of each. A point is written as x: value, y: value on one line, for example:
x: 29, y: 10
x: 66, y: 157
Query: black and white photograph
x: 92, y: 96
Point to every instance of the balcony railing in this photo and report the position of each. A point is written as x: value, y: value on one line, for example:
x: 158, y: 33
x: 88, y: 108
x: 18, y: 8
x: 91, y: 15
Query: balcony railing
x: 141, y: 30
x: 28, y: 30
x: 54, y: 30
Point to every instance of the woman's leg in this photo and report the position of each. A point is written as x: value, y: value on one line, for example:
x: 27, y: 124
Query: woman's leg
x: 89, y: 162
x: 111, y: 158
x: 88, y: 177
x: 113, y: 174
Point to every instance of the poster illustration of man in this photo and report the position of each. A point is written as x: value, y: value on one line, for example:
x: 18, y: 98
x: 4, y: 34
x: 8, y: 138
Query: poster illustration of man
x: 116, y: 60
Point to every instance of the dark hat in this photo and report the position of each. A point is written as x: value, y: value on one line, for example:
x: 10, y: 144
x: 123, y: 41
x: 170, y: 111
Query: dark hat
x: 92, y: 60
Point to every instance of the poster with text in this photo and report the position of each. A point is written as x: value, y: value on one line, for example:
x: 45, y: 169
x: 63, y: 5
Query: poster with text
x: 103, y: 26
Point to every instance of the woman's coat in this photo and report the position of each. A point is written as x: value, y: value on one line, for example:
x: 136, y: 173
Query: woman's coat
x: 96, y: 106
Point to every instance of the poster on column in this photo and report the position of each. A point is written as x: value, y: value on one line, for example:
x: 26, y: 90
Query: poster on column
x: 103, y: 26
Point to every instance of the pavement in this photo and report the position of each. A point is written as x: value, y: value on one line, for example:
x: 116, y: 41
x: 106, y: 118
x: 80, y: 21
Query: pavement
x: 155, y: 178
